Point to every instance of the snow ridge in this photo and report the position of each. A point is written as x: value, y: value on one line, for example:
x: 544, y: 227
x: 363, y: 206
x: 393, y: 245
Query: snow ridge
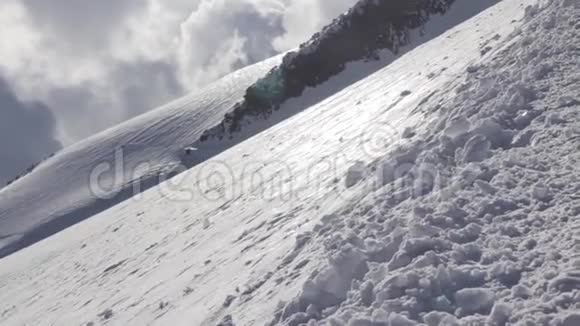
x: 474, y: 221
x: 59, y: 192
x: 366, y: 30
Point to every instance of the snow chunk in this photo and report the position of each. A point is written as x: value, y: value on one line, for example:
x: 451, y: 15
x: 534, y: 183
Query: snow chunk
x: 457, y: 128
x: 496, y: 134
x: 499, y: 314
x: 541, y: 192
x: 476, y: 149
x: 476, y: 300
x: 554, y: 119
x: 355, y: 174
x: 396, y: 319
x: 572, y: 319
x: 521, y: 291
x: 331, y: 286
x: 570, y: 3
x: 566, y: 283
x: 408, y: 133
x: 567, y: 101
x: 438, y: 318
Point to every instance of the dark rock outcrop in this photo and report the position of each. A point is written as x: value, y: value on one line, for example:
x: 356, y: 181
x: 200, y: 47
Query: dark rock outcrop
x: 368, y: 27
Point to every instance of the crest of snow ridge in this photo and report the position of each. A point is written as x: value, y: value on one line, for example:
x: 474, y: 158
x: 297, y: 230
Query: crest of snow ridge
x: 370, y: 26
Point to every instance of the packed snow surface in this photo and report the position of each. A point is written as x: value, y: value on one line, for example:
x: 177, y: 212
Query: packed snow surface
x: 441, y: 190
x: 107, y: 169
x: 97, y: 173
x: 473, y: 221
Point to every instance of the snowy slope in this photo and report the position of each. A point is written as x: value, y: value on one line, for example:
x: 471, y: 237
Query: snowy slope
x: 491, y: 104
x: 58, y: 192
x: 356, y: 44
x: 474, y: 220
x: 139, y: 154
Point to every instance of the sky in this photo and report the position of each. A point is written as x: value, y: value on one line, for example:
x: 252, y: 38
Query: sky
x: 72, y: 68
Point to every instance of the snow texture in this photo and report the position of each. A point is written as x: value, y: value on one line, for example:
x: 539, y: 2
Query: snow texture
x: 455, y: 204
x: 145, y: 151
x: 496, y: 239
x: 136, y: 154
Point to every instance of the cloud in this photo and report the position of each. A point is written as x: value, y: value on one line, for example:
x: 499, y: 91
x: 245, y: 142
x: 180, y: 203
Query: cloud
x: 302, y: 18
x: 145, y: 85
x: 83, y: 24
x: 26, y: 133
x: 98, y: 63
x: 130, y: 89
x: 223, y: 35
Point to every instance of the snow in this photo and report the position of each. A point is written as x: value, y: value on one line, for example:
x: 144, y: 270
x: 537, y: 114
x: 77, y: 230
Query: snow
x: 60, y: 193
x: 471, y: 219
x: 145, y: 151
x: 494, y: 239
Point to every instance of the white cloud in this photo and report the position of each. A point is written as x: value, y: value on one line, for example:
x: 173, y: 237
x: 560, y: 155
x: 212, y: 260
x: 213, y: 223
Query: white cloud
x: 222, y: 35
x: 302, y: 18
x: 96, y: 64
x: 26, y: 133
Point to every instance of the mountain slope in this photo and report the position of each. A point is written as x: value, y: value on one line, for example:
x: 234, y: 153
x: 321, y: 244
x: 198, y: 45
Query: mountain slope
x: 366, y: 38
x: 475, y: 220
x: 139, y: 154
x: 254, y: 225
